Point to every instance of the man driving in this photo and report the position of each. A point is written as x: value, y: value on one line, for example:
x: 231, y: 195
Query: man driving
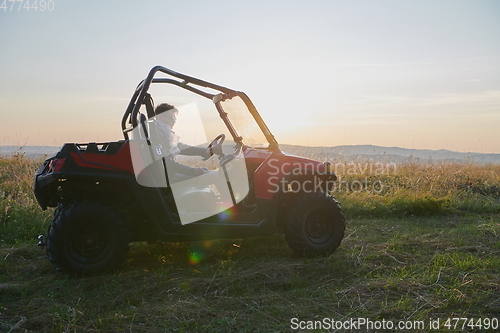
x: 166, y: 117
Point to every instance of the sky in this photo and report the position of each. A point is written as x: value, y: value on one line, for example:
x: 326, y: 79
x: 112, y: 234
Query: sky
x: 411, y: 74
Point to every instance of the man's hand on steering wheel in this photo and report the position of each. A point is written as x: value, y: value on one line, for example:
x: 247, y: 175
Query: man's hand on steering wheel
x: 215, y: 147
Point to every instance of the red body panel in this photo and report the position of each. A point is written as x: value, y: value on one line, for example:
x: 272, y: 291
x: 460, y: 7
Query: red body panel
x: 121, y: 160
x: 275, y: 166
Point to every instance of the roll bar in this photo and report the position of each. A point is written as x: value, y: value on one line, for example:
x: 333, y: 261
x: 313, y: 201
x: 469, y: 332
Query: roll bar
x: 140, y: 96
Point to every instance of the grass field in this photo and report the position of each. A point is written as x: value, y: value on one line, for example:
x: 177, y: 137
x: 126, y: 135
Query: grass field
x: 422, y: 244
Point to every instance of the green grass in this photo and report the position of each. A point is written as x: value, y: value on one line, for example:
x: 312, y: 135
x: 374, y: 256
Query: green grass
x: 425, y: 248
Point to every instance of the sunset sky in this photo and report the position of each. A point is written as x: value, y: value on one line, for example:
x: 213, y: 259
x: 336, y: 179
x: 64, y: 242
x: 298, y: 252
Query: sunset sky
x: 411, y: 74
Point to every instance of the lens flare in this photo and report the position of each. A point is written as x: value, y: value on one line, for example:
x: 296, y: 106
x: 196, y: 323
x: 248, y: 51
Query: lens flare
x: 226, y: 211
x: 198, y: 252
x: 195, y: 257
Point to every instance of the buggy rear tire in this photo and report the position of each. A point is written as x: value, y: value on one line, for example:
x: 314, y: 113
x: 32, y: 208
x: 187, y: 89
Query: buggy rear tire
x: 315, y: 224
x: 87, y: 237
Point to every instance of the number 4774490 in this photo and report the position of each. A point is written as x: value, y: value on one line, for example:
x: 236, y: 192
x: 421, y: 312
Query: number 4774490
x: 27, y: 5
x: 471, y: 323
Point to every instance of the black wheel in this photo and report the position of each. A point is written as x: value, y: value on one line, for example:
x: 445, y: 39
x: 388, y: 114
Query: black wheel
x: 87, y: 238
x: 315, y: 224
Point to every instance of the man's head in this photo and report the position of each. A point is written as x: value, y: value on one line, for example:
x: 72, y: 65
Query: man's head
x: 166, y: 113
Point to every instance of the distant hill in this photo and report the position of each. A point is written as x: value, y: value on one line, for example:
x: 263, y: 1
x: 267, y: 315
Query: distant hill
x: 354, y: 152
x: 392, y: 154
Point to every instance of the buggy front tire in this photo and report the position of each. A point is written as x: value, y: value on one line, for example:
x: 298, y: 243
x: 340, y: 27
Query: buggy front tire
x: 315, y: 224
x: 87, y: 237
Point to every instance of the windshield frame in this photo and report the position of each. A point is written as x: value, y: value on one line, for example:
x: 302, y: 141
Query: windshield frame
x: 141, y: 97
x: 250, y: 107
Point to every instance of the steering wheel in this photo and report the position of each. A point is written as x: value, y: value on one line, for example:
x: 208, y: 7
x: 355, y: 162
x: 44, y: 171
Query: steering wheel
x: 219, y: 139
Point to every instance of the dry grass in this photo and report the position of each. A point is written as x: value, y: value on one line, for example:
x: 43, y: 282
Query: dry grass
x: 21, y: 218
x: 415, y: 189
x: 394, y: 269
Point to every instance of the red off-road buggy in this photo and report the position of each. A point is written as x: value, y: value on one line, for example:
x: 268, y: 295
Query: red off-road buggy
x: 110, y: 194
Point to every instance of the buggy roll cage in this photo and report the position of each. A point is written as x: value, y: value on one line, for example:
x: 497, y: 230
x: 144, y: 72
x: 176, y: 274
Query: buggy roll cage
x: 141, y: 97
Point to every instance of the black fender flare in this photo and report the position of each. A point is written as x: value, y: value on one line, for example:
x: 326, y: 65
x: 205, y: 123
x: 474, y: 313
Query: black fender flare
x: 297, y: 182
